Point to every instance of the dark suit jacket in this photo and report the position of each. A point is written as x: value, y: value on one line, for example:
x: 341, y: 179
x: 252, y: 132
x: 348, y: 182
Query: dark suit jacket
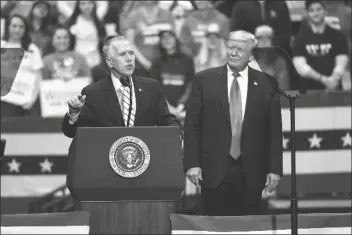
x: 102, y: 108
x: 207, y: 128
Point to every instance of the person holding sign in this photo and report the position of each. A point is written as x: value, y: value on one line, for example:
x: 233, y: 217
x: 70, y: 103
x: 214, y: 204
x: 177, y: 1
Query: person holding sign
x: 23, y: 97
x: 123, y: 99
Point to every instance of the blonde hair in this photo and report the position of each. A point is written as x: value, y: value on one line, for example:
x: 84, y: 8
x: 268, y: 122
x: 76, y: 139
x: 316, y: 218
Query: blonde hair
x: 242, y: 35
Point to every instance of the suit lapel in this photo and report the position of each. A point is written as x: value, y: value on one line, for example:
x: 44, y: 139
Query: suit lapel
x: 252, y: 96
x: 113, y: 102
x: 224, y: 93
x: 138, y: 94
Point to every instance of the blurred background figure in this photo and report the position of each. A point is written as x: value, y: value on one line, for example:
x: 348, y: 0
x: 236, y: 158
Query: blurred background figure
x: 320, y: 51
x: 17, y: 35
x: 16, y: 7
x: 112, y: 18
x: 337, y: 16
x: 250, y: 14
x: 199, y: 20
x: 271, y: 61
x: 225, y: 6
x: 213, y: 50
x: 88, y: 31
x: 67, y: 9
x: 175, y: 70
x: 23, y: 8
x: 41, y: 24
x: 183, y: 32
x: 141, y: 27
x: 62, y: 62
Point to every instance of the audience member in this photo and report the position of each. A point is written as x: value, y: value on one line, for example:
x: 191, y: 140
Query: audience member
x: 66, y: 9
x: 17, y: 35
x: 250, y: 14
x: 213, y: 51
x: 63, y: 62
x: 175, y: 70
x: 113, y: 15
x: 199, y: 20
x: 225, y: 6
x: 141, y: 27
x: 182, y: 31
x: 88, y: 30
x: 271, y: 60
x: 16, y: 7
x: 338, y: 16
x: 40, y: 23
x: 320, y: 51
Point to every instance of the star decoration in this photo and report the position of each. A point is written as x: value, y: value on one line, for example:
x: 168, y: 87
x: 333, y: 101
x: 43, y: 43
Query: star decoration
x: 346, y: 140
x: 285, y: 142
x: 315, y: 141
x: 46, y: 165
x: 14, y: 166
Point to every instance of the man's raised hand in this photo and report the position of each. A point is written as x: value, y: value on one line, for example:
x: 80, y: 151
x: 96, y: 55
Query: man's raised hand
x: 75, y: 104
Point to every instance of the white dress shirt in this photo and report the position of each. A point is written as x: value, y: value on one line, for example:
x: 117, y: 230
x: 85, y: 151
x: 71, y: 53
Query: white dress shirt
x: 243, y: 83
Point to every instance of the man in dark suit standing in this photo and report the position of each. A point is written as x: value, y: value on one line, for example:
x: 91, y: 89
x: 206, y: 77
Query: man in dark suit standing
x: 120, y: 100
x: 233, y: 133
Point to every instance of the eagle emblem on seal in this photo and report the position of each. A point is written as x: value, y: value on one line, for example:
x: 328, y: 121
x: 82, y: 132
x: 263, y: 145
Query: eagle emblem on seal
x: 129, y: 157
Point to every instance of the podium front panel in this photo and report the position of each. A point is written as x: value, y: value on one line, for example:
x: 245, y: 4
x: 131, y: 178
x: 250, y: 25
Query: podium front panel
x: 92, y: 178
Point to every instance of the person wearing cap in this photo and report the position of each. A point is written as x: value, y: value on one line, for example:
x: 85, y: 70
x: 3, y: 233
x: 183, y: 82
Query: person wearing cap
x: 271, y: 60
x: 174, y: 70
x: 213, y: 50
x: 233, y: 133
x: 320, y: 52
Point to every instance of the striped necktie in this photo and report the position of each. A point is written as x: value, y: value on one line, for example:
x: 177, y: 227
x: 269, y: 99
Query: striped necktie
x: 236, y: 117
x: 127, y: 108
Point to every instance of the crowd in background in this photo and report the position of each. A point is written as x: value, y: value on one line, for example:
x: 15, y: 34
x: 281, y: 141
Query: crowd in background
x: 173, y: 40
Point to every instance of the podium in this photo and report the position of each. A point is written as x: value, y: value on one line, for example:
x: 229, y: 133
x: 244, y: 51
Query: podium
x: 128, y: 178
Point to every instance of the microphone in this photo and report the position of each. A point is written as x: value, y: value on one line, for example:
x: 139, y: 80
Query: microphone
x: 125, y: 81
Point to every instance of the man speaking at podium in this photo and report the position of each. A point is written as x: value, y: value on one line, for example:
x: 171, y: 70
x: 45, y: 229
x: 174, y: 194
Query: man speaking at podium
x: 233, y: 133
x: 121, y: 100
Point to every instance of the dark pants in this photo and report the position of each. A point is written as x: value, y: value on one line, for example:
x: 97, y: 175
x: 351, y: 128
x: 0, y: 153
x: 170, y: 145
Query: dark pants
x: 232, y: 197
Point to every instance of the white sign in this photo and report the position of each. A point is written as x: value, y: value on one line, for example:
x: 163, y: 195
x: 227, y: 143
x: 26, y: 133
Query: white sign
x: 54, y: 95
x: 23, y: 88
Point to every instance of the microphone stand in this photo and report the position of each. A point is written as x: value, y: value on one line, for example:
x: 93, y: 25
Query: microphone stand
x: 292, y: 96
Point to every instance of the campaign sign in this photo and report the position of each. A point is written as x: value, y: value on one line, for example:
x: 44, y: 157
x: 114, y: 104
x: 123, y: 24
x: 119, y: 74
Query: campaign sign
x: 11, y: 59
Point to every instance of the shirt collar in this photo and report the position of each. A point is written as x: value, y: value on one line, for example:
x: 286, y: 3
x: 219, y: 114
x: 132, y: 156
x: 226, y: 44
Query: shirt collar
x: 243, y: 73
x: 318, y: 30
x: 116, y: 82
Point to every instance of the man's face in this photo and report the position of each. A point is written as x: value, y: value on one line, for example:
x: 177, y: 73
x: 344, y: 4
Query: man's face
x: 264, y: 41
x: 238, y: 53
x: 120, y: 57
x: 316, y: 13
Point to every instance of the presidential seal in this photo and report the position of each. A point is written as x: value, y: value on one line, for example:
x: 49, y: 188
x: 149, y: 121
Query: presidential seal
x: 129, y: 157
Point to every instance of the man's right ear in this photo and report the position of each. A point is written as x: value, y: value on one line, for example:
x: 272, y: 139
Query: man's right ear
x: 108, y: 62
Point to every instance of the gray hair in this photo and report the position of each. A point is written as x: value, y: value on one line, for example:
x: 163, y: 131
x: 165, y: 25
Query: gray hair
x: 243, y: 35
x: 109, y: 41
